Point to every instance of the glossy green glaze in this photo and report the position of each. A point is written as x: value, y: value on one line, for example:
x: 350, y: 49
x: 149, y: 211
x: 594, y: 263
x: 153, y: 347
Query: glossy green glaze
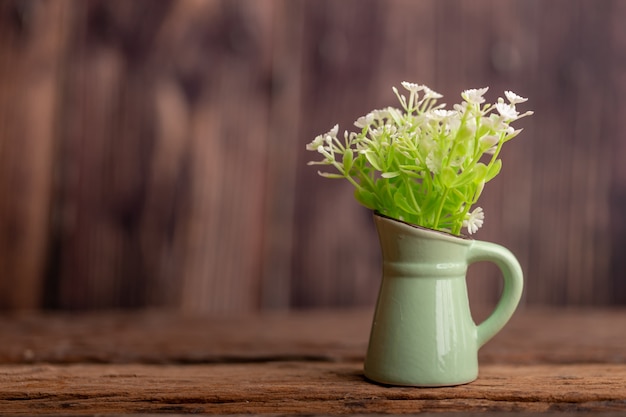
x: 423, y: 333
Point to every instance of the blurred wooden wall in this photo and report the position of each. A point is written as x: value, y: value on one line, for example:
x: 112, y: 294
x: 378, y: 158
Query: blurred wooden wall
x: 152, y: 153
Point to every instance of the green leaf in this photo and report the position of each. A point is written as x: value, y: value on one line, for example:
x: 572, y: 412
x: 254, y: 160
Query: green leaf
x: 460, y: 150
x: 480, y: 171
x: 413, y: 171
x: 448, y: 176
x: 465, y: 178
x: 329, y: 175
x: 402, y: 202
x: 373, y: 160
x: 430, y: 207
x: 494, y: 170
x: 366, y: 198
x: 464, y: 133
x: 411, y: 174
x: 347, y: 160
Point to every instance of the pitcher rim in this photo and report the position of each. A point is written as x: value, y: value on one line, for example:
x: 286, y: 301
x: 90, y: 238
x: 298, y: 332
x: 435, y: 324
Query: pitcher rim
x: 462, y: 237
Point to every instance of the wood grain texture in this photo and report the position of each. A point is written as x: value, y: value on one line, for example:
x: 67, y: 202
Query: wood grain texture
x: 164, y: 156
x: 300, y: 387
x: 531, y: 337
x: 152, y: 155
x: 544, y: 361
x: 32, y: 38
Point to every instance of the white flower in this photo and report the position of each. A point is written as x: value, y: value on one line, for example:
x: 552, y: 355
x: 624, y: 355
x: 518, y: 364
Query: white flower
x: 494, y: 123
x: 507, y: 111
x: 474, y: 95
x: 394, y: 114
x: 333, y: 132
x: 380, y: 114
x: 433, y: 163
x: 474, y: 220
x: 325, y: 139
x: 364, y: 121
x: 430, y: 94
x: 514, y: 98
x: 440, y: 114
x: 316, y: 143
x: 412, y: 87
x: 460, y: 107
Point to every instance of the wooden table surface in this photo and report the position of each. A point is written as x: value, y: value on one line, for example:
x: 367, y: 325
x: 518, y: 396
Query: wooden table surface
x: 560, y: 361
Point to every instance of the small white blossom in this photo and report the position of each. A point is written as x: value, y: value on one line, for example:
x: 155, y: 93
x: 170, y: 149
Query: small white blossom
x: 507, y: 111
x: 364, y: 121
x: 440, y: 114
x: 412, y: 87
x: 460, y: 108
x: 444, y: 113
x: 394, y: 114
x: 514, y: 98
x: 474, y: 220
x: 430, y: 94
x: 494, y: 123
x: 316, y: 143
x: 326, y: 139
x: 380, y: 114
x: 474, y: 95
x: 333, y: 132
x: 433, y: 163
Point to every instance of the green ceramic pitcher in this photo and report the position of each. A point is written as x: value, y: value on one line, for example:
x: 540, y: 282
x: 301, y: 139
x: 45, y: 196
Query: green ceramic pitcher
x: 423, y: 333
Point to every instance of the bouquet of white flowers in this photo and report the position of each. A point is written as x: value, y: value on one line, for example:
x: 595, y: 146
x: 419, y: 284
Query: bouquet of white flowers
x: 424, y: 164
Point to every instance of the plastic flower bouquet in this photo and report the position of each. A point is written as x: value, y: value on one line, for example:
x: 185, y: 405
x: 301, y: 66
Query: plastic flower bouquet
x: 424, y: 164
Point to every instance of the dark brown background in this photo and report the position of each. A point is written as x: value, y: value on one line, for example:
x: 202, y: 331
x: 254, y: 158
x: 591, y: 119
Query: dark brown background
x: 152, y: 153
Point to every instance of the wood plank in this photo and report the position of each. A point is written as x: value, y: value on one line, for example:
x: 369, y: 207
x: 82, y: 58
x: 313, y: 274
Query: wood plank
x: 229, y: 134
x: 163, y: 160
x: 531, y: 337
x: 141, y: 146
x: 32, y: 37
x: 336, y: 258
x: 300, y: 387
x: 282, y: 155
x: 112, y: 240
x: 545, y: 360
x: 617, y: 68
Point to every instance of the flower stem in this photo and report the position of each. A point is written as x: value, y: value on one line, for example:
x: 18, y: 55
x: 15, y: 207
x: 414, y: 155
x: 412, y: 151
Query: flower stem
x: 407, y: 184
x: 440, y: 209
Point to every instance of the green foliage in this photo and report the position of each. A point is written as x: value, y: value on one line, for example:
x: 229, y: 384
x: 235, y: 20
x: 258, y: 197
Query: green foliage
x: 423, y: 164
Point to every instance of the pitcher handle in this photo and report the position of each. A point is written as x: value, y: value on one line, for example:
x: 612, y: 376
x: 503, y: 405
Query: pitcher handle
x: 513, y: 285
